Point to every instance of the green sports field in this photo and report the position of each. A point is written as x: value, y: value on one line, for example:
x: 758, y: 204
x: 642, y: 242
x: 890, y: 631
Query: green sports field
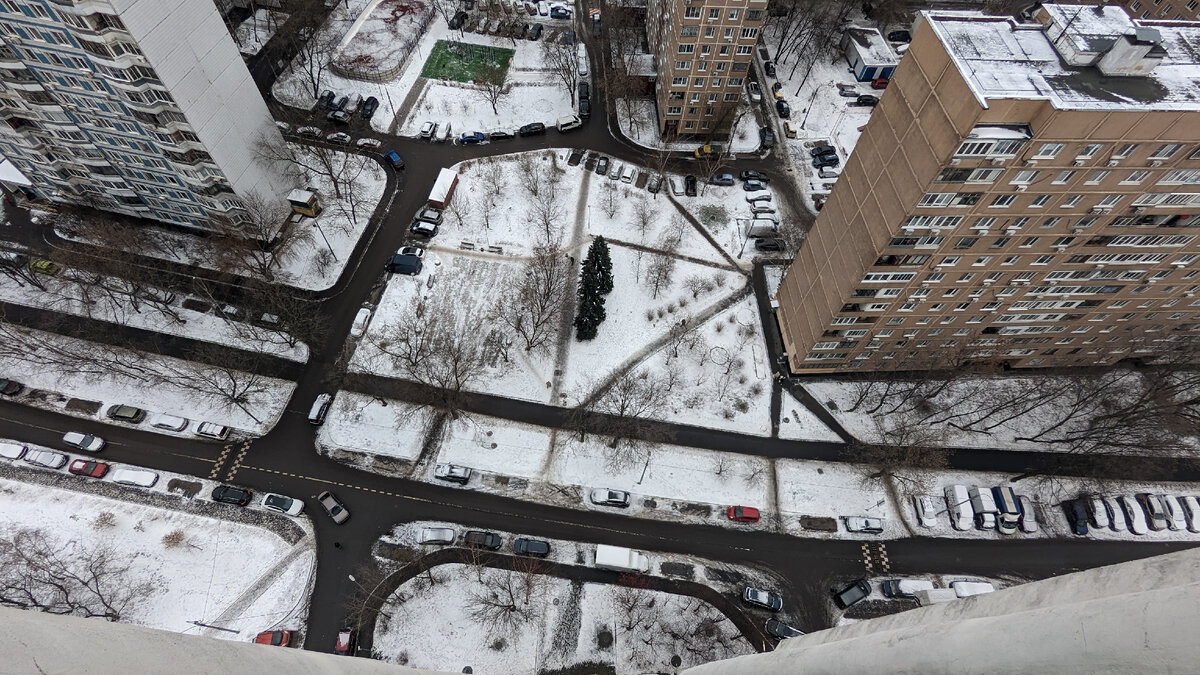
x: 465, y: 62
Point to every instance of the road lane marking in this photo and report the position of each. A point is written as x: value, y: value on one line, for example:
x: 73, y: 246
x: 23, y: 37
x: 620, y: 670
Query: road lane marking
x: 216, y: 470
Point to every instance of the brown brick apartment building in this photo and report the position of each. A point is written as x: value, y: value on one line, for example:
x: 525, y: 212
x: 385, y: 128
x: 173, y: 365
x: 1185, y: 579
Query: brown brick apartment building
x: 1023, y: 194
x: 703, y: 50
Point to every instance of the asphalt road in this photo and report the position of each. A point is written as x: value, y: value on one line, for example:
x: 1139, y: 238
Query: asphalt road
x: 285, y: 461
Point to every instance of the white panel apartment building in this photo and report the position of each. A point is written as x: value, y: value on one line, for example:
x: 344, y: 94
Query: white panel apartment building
x: 142, y: 107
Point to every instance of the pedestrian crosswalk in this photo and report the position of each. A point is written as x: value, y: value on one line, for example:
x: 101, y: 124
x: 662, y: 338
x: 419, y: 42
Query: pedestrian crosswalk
x: 875, y: 557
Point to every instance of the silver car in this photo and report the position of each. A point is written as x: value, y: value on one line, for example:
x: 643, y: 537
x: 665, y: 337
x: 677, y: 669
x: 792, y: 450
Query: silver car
x: 84, y: 442
x: 45, y: 458
x: 604, y: 497
x: 334, y: 507
x: 438, y: 535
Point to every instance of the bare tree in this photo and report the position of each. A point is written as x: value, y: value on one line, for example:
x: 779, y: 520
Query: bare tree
x: 338, y: 168
x: 235, y: 382
x: 807, y: 29
x: 260, y: 240
x: 506, y: 601
x: 314, y: 47
x: 659, y: 272
x: 492, y: 86
x: 533, y: 305
x: 69, y: 578
x: 545, y: 211
x: 562, y: 60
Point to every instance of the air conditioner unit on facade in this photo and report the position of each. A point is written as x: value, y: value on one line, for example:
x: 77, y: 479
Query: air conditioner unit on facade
x: 1101, y: 209
x: 1139, y: 209
x: 1021, y: 188
x: 1078, y: 162
x: 1156, y: 162
x: 1031, y: 162
x: 998, y: 161
x: 1114, y: 162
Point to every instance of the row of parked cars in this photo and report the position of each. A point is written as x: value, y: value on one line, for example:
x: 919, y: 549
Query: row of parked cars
x: 131, y: 415
x: 1139, y: 514
x: 996, y: 508
x: 482, y: 539
x: 341, y: 108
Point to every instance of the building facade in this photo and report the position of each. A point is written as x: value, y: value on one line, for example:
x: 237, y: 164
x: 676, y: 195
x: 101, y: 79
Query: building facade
x: 143, y: 107
x: 1024, y: 195
x: 703, y: 50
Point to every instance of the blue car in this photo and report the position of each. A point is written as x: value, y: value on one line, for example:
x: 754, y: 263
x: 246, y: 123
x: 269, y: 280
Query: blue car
x: 395, y: 158
x: 471, y: 137
x: 722, y: 179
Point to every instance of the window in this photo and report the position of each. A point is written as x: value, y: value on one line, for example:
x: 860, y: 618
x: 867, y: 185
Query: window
x: 736, y: 81
x: 1097, y: 177
x: 1089, y: 151
x: 1063, y: 177
x: 1041, y: 200
x: 712, y: 98
x: 683, y: 65
x: 989, y: 148
x: 691, y: 13
x: 705, y: 49
x: 949, y: 261
x: 678, y: 82
x: 732, y: 97
x: 756, y: 14
x: 1003, y: 201
x: 674, y: 110
x: 1073, y: 200
x: 984, y: 175
x: 1125, y: 150
x: 1011, y: 260
x: 1028, y: 242
x: 748, y: 33
x: 702, y: 65
x: 966, y: 242
x: 981, y: 261
x: 687, y: 49
x: 743, y: 50
x: 1000, y: 242
x: 734, y: 14
x: 724, y: 52
x: 1048, y: 151
x: 1024, y: 177
x: 698, y: 82
x: 1110, y: 200
x: 710, y: 32
x: 1043, y: 260
x: 1181, y: 177
x: 689, y: 32
x: 714, y: 13
x: 676, y: 96
x: 1165, y: 151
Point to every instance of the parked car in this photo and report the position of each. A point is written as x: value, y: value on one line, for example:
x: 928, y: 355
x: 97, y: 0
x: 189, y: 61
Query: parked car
x: 821, y: 161
x: 1135, y: 517
x: 10, y: 387
x: 766, y: 138
x: 822, y: 149
x: 437, y: 535
x: 605, y: 497
x: 1097, y: 512
x: 471, y: 138
x: 392, y: 157
x: 751, y: 174
x: 852, y: 594
x: 754, y: 91
x: 84, y: 442
x: 762, y: 208
x: 482, y: 539
x: 368, y: 143
x: 282, y: 504
x: 784, y: 110
x: 761, y: 196
x: 309, y: 131
x: 423, y: 228
x: 762, y: 598
x: 369, y: 107
x: 769, y: 244
x: 125, y: 413
x: 925, y: 509
x: 500, y: 135
x: 275, y: 638
x: 654, y: 185
x: 742, y: 514
x: 781, y: 630
x: 404, y: 263
x: 359, y: 327
x: 428, y: 129
x: 532, y: 129
x: 1192, y: 506
x: 325, y: 100
x: 865, y: 525
x: 347, y: 638
x: 1028, y: 517
x: 46, y: 458
x: 338, y: 117
x: 1076, y: 516
x: 452, y: 473
x: 88, y: 468
x: 904, y: 588
x: 601, y: 166
x: 135, y: 477
x: 899, y: 36
x: 1156, y: 512
x: 689, y: 185
x: 585, y: 108
x: 212, y: 430
x: 721, y: 179
x: 559, y: 13
x: 1175, y: 517
x: 227, y: 494
x: 531, y: 547
x: 340, y: 137
x: 753, y: 186
x: 1117, y: 520
x: 339, y: 102
x: 867, y: 100
x: 334, y: 507
x: 769, y: 68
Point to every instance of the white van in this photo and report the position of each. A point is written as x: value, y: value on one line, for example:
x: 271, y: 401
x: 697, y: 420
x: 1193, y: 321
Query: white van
x: 442, y: 133
x: 1008, y: 511
x: 984, y: 507
x: 958, y: 503
x: 568, y: 122
x: 583, y: 59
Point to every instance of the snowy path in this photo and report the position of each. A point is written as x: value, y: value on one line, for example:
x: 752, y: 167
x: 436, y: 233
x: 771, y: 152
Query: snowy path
x: 703, y: 232
x: 568, y: 315
x: 268, y: 578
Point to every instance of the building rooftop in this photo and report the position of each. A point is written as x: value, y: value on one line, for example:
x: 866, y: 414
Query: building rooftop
x: 1001, y: 58
x: 871, y: 46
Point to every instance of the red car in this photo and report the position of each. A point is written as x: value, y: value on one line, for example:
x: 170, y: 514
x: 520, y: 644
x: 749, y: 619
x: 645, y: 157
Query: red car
x: 743, y: 514
x: 278, y: 638
x: 345, y: 642
x: 84, y: 467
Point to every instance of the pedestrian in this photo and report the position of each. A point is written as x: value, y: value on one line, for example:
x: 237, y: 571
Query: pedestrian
x: 337, y: 544
x: 572, y: 258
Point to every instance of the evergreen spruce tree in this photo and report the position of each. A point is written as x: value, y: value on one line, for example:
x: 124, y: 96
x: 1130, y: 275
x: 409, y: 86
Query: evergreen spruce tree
x: 591, y: 301
x: 599, y: 251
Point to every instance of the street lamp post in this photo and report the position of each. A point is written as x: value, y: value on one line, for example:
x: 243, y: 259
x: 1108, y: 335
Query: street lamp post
x: 317, y: 225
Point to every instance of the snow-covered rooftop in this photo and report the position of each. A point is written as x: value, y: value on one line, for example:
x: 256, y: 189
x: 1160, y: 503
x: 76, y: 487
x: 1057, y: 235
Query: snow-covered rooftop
x: 871, y: 46
x: 1002, y: 58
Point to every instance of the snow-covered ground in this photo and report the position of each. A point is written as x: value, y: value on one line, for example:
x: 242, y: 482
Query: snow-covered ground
x: 382, y: 37
x: 433, y: 628
x: 639, y: 123
x: 798, y: 423
x: 257, y: 30
x: 63, y: 296
x: 225, y: 573
x: 154, y: 384
x: 321, y: 254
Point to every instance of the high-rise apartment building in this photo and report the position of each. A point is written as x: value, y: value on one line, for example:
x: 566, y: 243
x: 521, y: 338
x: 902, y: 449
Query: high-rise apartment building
x: 703, y: 50
x: 143, y: 107
x: 1025, y: 194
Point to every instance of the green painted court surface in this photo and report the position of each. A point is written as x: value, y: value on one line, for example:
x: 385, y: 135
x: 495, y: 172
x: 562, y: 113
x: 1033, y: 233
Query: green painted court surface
x: 464, y: 62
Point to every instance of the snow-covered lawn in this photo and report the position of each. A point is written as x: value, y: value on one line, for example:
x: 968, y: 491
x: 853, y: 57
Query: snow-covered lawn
x: 431, y: 626
x: 639, y: 123
x: 154, y: 384
x: 221, y: 572
x: 324, y: 248
x: 798, y: 423
x: 64, y: 296
x: 257, y: 30
x: 382, y: 37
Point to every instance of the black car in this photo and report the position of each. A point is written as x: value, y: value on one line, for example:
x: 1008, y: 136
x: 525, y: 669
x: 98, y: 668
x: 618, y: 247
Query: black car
x: 867, y: 100
x: 899, y: 36
x: 404, y: 264
x: 766, y: 137
x: 499, y: 136
x: 585, y: 108
x: 823, y: 150
x: 535, y: 32
x: 584, y: 91
x: 852, y: 593
x: 231, y: 495
x: 602, y: 166
x: 784, y: 110
x: 769, y: 68
x: 689, y: 185
x: 369, y: 107
x: 781, y: 630
x: 481, y: 539
x: 10, y: 387
x: 531, y: 547
x: 338, y: 116
x: 1076, y: 516
x: 532, y: 129
x: 751, y: 174
x: 326, y: 99
x: 768, y: 245
x: 822, y: 161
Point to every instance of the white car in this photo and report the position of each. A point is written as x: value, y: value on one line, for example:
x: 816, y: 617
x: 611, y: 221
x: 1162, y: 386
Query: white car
x: 866, y: 525
x: 283, y: 126
x: 46, y: 458
x: 452, y: 473
x: 315, y: 132
x: 605, y: 497
x: 412, y: 250
x: 212, y: 430
x: 1134, y: 515
x: 755, y: 92
x: 169, y: 422
x: 338, y: 137
x: 427, y: 129
x: 1097, y: 511
x: 84, y: 442
x: 925, y: 509
x: 437, y: 535
x: 1175, y: 518
x: 1117, y: 521
x: 136, y: 477
x: 10, y: 450
x: 368, y: 143
x: 1193, y: 512
x: 288, y: 506
x: 761, y: 208
x: 359, y: 327
x: 758, y: 196
x: 1028, y: 517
